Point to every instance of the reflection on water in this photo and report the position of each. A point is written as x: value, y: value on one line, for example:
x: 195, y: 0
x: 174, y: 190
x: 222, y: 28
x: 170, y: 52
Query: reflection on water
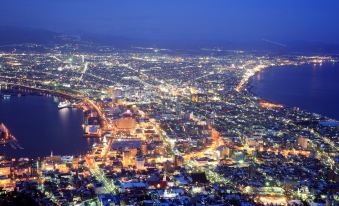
x: 64, y: 113
x: 41, y: 127
x: 312, y: 88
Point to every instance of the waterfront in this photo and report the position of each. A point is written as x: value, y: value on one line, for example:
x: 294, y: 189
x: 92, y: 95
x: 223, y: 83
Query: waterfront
x: 313, y: 88
x: 41, y: 128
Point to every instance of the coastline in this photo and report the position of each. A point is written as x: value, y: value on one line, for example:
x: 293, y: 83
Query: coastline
x: 249, y: 87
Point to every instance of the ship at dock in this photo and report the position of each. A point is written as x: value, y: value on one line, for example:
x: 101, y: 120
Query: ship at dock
x: 64, y: 104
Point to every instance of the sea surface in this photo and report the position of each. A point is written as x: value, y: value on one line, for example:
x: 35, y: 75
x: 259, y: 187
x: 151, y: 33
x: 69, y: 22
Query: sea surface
x: 313, y: 88
x: 41, y: 128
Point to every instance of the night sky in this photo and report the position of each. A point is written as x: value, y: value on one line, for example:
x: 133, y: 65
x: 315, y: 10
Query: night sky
x: 231, y: 20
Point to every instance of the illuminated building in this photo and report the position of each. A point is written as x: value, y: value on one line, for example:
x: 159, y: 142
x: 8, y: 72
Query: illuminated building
x: 61, y: 167
x: 5, y: 181
x: 140, y: 163
x: 178, y: 161
x: 117, y: 93
x: 75, y: 163
x: 108, y: 199
x: 126, y: 124
x: 199, y: 98
x: 223, y: 152
x: 271, y: 200
x: 128, y: 157
x: 144, y: 150
x: 53, y: 163
x: 5, y: 170
x: 303, y: 142
x: 23, y: 171
x: 93, y: 131
x: 238, y: 156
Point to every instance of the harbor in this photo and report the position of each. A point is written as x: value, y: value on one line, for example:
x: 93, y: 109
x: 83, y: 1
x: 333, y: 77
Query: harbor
x: 39, y: 126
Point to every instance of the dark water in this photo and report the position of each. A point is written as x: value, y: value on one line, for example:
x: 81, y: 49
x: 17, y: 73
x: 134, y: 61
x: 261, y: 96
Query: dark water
x: 312, y: 88
x: 41, y: 128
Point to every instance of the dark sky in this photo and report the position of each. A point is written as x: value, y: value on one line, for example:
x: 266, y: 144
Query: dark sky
x: 229, y: 20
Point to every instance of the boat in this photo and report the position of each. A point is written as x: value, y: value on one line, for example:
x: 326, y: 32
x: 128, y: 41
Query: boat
x: 7, y: 96
x: 64, y: 104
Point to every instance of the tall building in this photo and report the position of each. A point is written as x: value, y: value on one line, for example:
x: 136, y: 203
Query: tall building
x: 140, y: 163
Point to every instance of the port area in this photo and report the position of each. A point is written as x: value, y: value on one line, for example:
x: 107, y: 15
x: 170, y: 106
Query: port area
x: 95, y: 124
x: 7, y: 138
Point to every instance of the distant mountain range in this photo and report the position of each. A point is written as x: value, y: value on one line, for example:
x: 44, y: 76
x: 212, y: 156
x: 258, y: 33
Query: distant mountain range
x: 14, y: 35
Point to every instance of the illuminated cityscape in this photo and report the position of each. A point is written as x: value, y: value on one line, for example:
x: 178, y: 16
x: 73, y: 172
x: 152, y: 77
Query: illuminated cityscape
x: 167, y: 127
x: 168, y: 137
